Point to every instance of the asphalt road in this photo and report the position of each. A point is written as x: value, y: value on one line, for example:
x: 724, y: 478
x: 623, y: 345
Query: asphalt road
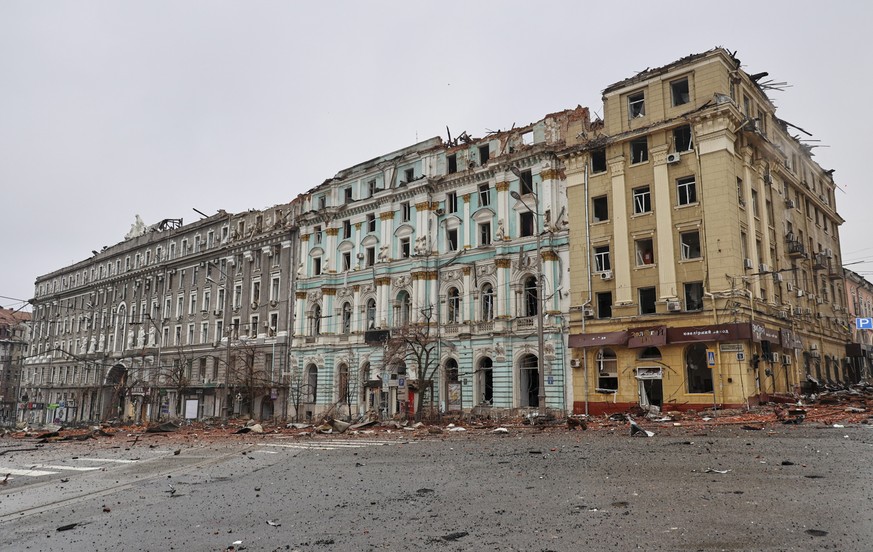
x: 787, y: 488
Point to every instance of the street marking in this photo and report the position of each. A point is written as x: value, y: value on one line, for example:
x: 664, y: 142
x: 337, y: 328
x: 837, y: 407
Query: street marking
x: 28, y: 473
x: 266, y: 451
x: 72, y: 468
x: 109, y: 460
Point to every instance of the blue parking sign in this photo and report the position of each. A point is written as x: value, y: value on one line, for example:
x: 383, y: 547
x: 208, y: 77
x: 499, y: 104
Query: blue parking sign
x: 864, y: 323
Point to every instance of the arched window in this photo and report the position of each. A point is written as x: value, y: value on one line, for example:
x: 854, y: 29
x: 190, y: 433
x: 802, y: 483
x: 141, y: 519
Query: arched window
x: 371, y: 313
x: 485, y: 381
x: 529, y: 382
x: 343, y: 384
x: 347, y: 318
x: 311, y: 386
x: 650, y: 353
x: 315, y: 321
x: 697, y: 372
x: 607, y: 369
x: 487, y: 302
x: 454, y: 306
x: 404, y: 307
x: 531, y: 296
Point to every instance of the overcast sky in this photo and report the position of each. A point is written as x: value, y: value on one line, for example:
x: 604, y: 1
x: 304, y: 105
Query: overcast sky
x: 113, y: 109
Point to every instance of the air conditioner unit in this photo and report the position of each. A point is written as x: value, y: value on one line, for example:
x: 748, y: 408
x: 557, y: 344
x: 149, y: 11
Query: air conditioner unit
x: 790, y: 237
x: 674, y: 306
x: 747, y: 263
x: 674, y: 157
x: 606, y: 275
x: 763, y: 267
x: 575, y: 363
x: 789, y: 203
x: 798, y: 311
x: 829, y: 253
x: 588, y: 313
x: 786, y: 359
x: 807, y: 311
x: 819, y: 300
x: 800, y: 293
x: 768, y: 178
x: 777, y: 277
x: 789, y: 286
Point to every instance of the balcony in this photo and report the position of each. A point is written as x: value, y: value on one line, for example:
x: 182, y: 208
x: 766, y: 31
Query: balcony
x: 795, y: 249
x: 820, y: 261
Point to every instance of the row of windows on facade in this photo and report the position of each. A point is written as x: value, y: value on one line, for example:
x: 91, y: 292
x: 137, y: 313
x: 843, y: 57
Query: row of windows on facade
x: 686, y: 194
x: 145, y: 258
x: 647, y: 300
x: 644, y: 251
x: 638, y: 149
x: 453, y: 314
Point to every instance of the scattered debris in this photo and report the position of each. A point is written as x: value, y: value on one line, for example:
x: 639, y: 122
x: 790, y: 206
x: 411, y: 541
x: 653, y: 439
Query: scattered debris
x: 67, y: 527
x: 274, y: 523
x: 501, y: 430
x: 166, y: 427
x: 816, y: 532
x: 573, y: 423
x: 750, y: 427
x: 712, y: 470
x: 455, y: 536
x: 637, y: 430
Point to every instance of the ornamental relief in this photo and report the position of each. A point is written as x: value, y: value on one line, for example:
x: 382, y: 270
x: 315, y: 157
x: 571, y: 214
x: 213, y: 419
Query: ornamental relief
x: 314, y: 295
x: 345, y: 292
x: 485, y: 270
x: 402, y: 281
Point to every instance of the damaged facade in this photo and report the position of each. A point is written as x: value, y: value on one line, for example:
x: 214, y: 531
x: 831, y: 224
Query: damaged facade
x: 441, y: 237
x: 705, y: 269
x: 859, y: 299
x: 14, y: 339
x: 711, y: 266
x: 174, y: 321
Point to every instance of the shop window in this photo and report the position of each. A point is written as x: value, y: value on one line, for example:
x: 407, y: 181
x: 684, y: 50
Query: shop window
x: 697, y: 372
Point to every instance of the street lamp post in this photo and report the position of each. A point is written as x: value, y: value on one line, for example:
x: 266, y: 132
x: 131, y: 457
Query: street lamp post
x: 541, y: 396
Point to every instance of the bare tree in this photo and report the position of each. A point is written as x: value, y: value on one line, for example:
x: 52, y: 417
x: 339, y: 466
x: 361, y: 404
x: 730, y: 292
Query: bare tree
x: 414, y: 345
x: 176, y: 375
x: 247, y: 375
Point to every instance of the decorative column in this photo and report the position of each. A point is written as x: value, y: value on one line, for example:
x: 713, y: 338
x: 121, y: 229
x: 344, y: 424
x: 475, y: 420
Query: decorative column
x: 664, y: 226
x: 620, y: 250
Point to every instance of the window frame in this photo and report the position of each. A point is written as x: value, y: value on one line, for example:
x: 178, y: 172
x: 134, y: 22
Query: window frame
x: 686, y: 191
x: 642, y: 199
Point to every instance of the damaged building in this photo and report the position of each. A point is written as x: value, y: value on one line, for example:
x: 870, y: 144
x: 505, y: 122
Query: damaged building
x: 14, y: 343
x: 710, y: 271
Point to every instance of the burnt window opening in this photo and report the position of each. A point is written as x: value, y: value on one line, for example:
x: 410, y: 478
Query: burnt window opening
x: 682, y: 138
x: 607, y: 370
x: 650, y: 353
x: 647, y: 300
x: 698, y: 374
x: 636, y: 105
x: 598, y: 161
x: 526, y: 223
x: 484, y: 154
x: 694, y: 296
x: 409, y: 175
x: 680, y: 92
x: 604, y: 305
x: 639, y: 150
x: 453, y: 163
x: 525, y: 182
x: 601, y: 208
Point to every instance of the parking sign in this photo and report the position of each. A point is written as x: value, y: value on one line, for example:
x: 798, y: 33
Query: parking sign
x: 864, y: 323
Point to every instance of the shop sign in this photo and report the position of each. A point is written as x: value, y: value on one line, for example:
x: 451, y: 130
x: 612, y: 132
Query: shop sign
x: 650, y: 373
x: 647, y: 337
x: 53, y: 406
x: 578, y: 341
x: 716, y: 332
x: 731, y: 347
x: 762, y: 333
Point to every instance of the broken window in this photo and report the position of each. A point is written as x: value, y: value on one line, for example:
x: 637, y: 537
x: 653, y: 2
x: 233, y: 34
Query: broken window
x: 371, y: 187
x: 694, y: 296
x: 347, y: 194
x: 452, y: 202
x: 598, y: 161
x: 686, y: 190
x: 322, y: 202
x: 371, y: 222
x: 645, y: 252
x: 371, y: 256
x: 690, y: 244
x: 636, y: 105
x: 405, y: 211
x: 698, y: 374
x: 755, y: 204
x: 639, y: 150
x: 604, y: 305
x: 347, y: 229
x: 525, y: 182
x: 347, y: 261
x: 740, y: 196
x: 371, y: 313
x: 316, y: 266
x: 679, y: 90
x: 647, y: 300
x: 484, y: 154
x: 484, y: 195
x: 347, y: 318
x: 452, y: 239
x: 409, y: 175
x: 682, y: 138
x: 317, y: 234
x: 526, y: 222
x: 601, y: 259
x: 642, y: 200
x: 601, y: 208
x: 607, y: 370
x: 453, y: 163
x: 487, y: 302
x: 404, y: 248
x: 485, y: 376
